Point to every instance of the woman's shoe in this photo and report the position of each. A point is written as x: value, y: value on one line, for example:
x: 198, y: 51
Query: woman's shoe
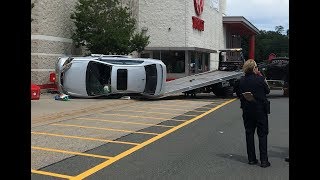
x: 253, y: 162
x: 265, y: 164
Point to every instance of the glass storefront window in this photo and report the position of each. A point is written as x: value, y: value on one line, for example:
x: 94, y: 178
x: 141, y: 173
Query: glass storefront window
x: 206, y: 62
x: 199, y: 62
x: 174, y: 60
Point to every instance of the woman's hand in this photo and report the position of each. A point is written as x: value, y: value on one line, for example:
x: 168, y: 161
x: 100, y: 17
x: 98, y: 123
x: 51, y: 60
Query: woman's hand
x: 256, y: 71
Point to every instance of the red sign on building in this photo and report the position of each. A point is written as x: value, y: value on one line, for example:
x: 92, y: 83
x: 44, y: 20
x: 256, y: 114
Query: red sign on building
x: 198, y: 23
x: 198, y: 6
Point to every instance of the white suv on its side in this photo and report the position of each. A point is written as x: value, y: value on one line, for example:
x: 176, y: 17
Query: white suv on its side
x: 103, y: 75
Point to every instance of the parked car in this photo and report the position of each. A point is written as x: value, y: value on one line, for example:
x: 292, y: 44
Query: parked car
x: 276, y: 72
x: 103, y: 75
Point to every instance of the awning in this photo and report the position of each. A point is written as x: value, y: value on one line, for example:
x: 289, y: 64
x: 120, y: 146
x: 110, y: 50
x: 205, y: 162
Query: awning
x: 180, y: 49
x: 239, y: 25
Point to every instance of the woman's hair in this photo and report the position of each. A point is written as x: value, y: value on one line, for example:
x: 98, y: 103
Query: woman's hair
x: 249, y: 65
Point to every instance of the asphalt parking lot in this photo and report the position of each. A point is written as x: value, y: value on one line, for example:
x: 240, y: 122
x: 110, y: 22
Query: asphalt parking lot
x: 81, y: 136
x: 64, y: 129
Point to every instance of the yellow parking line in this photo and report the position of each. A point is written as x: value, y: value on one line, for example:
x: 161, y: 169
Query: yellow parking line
x: 141, y: 117
x: 84, y: 138
x: 51, y: 174
x: 124, y: 122
x: 205, y: 107
x: 150, y: 112
x: 170, y: 109
x: 135, y: 116
x: 109, y: 129
x: 70, y: 152
x: 177, y: 120
x: 129, y: 151
x: 170, y: 105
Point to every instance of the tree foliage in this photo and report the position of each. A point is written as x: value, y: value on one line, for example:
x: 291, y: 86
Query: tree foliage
x: 105, y: 27
x: 268, y: 42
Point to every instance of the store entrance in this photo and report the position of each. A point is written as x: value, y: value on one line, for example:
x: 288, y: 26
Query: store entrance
x: 199, y: 62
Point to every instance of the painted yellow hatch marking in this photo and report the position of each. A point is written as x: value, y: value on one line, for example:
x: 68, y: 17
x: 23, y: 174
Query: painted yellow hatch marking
x: 168, y: 105
x: 141, y: 117
x: 84, y: 138
x: 171, y: 109
x: 51, y: 174
x: 70, y: 152
x: 135, y: 148
x: 124, y: 122
x: 108, y: 129
x: 152, y: 112
x: 135, y: 116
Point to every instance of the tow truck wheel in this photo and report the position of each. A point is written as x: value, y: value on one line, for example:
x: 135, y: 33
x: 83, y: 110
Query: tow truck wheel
x: 229, y: 91
x: 224, y: 92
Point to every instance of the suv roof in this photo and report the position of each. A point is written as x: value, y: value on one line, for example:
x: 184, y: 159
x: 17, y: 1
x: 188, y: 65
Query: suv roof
x: 102, y: 55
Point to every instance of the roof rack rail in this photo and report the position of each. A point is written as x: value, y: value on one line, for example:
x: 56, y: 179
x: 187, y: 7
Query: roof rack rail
x: 102, y: 55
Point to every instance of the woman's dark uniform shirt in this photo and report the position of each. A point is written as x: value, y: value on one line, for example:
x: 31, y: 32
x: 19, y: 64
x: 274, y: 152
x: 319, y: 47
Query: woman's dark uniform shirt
x: 257, y: 86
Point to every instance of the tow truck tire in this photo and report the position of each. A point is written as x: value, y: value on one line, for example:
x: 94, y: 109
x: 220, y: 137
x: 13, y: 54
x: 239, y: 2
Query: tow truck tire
x: 224, y: 92
x: 229, y: 91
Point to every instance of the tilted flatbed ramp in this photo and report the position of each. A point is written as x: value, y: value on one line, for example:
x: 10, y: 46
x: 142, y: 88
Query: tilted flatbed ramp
x: 196, y: 81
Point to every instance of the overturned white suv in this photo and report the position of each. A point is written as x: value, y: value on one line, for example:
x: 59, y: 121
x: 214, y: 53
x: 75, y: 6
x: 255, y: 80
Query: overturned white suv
x: 103, y: 75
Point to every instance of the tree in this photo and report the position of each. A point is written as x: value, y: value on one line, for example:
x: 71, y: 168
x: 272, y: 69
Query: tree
x: 267, y: 42
x: 279, y: 29
x: 139, y: 42
x: 105, y: 27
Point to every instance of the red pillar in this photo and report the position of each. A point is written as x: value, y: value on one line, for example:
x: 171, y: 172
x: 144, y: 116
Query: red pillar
x: 251, y: 47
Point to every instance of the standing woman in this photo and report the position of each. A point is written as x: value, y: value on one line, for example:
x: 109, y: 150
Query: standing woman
x: 252, y: 91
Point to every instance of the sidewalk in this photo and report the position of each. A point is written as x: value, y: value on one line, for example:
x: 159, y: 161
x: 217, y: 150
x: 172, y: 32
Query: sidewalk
x: 47, y: 109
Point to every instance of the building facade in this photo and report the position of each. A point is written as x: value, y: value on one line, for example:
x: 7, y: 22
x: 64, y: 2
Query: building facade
x: 51, y: 30
x: 184, y: 39
x: 185, y: 34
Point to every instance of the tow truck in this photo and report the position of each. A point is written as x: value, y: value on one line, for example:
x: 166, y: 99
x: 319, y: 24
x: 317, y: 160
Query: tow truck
x: 276, y: 72
x: 221, y: 81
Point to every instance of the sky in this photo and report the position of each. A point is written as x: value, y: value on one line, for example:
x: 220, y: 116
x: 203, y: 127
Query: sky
x: 263, y: 14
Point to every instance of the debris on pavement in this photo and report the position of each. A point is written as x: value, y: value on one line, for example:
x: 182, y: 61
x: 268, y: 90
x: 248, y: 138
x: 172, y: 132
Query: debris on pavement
x: 125, y: 97
x: 61, y: 97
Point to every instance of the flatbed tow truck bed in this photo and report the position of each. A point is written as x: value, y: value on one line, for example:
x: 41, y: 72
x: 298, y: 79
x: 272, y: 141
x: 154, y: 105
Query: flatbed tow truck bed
x: 196, y: 81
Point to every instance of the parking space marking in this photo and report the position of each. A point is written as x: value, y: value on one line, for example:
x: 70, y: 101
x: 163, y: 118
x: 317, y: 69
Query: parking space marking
x: 170, y: 105
x: 108, y: 129
x: 141, y: 109
x: 171, y: 102
x: 84, y: 138
x: 51, y: 174
x: 154, y: 105
x: 124, y: 122
x: 149, y: 117
x: 152, y: 112
x: 135, y: 148
x: 205, y: 108
x: 70, y: 152
x: 170, y: 109
x: 70, y: 113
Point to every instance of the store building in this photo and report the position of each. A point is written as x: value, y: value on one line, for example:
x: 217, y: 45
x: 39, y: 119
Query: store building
x: 185, y: 34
